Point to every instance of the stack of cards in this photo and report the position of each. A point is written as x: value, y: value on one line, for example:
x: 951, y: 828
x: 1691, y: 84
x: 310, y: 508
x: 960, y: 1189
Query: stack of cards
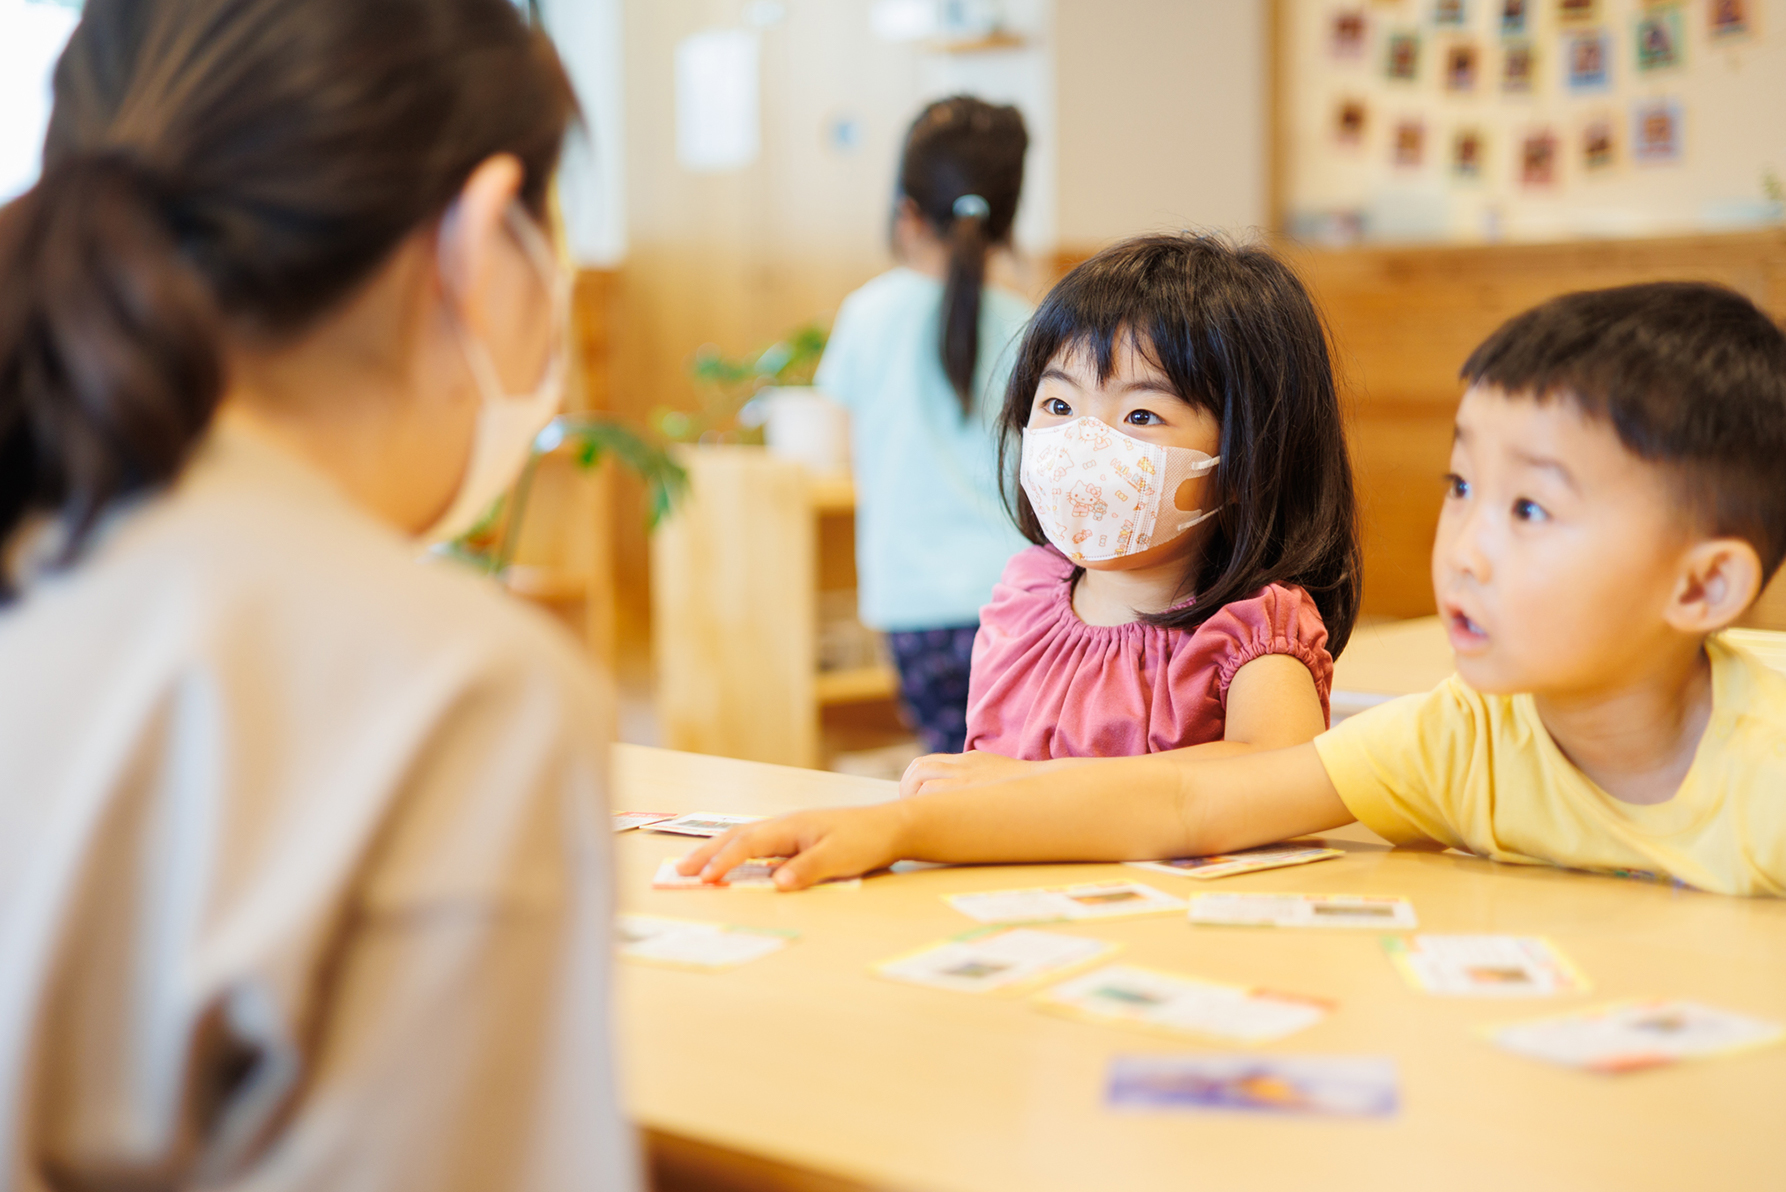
x: 1003, y: 960
x: 1130, y: 996
x: 626, y: 821
x: 1056, y: 904
x: 1484, y: 965
x: 687, y: 943
x: 701, y: 823
x: 1272, y: 856
x: 1303, y: 910
x: 757, y: 873
x: 1343, y: 1086
x: 1633, y: 1035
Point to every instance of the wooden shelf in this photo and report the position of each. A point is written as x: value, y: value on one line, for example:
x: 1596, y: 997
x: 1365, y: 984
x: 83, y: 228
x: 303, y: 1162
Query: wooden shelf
x: 833, y: 494
x: 545, y: 584
x: 737, y: 574
x: 856, y: 685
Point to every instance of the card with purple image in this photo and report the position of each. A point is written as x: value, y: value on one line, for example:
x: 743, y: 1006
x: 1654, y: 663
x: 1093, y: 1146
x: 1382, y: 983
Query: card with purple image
x: 1323, y: 1086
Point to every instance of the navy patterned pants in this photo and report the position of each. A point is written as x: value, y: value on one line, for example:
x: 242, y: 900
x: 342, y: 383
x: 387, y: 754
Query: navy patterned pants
x: 933, y: 669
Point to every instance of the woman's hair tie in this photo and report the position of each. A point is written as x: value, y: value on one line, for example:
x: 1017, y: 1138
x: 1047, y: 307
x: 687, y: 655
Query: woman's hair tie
x: 972, y: 207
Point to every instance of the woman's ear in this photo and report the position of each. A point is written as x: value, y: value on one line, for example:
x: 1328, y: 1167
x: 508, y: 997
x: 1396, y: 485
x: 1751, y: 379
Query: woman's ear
x: 1720, y: 578
x: 468, y: 237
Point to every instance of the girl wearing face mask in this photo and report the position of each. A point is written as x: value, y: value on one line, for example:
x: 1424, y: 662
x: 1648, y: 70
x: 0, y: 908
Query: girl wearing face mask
x: 303, y: 855
x: 1181, y: 467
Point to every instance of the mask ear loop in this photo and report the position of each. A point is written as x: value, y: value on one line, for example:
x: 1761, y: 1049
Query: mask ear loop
x: 558, y: 284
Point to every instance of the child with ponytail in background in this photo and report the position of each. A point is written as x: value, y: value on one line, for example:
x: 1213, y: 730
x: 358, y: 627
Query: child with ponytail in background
x: 920, y: 356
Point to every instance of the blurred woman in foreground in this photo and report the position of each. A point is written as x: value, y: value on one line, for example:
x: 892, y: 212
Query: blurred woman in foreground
x: 303, y: 857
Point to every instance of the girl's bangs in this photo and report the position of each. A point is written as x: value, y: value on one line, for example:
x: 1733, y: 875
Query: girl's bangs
x: 1166, y: 329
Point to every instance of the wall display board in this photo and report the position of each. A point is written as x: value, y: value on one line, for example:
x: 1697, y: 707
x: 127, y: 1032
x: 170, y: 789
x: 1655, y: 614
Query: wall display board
x: 1477, y: 121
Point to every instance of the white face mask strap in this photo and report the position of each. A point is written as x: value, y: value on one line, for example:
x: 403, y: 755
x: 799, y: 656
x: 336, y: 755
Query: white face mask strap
x: 553, y: 276
x: 508, y: 424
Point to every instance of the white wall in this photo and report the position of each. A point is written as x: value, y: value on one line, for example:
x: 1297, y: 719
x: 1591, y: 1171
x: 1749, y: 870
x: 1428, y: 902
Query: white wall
x: 592, y: 185
x: 1163, y: 116
x: 1144, y: 114
x: 32, y: 33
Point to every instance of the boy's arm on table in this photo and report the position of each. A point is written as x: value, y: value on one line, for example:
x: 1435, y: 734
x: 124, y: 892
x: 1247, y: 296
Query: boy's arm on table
x: 1106, y: 809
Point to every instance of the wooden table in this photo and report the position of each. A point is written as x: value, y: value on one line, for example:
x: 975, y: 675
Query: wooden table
x: 803, y: 1071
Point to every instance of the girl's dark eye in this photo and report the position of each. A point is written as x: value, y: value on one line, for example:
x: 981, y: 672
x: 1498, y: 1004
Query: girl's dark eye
x: 1456, y: 486
x: 1528, y: 511
x: 1057, y: 407
x: 1143, y: 418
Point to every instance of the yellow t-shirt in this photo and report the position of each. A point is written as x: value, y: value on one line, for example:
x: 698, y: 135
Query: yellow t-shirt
x: 1481, y: 773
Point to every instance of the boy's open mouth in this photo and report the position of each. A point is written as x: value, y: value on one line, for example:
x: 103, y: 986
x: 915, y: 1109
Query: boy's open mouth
x: 1465, y: 634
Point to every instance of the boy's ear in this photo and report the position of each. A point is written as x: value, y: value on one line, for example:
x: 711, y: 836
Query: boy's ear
x: 1720, y: 577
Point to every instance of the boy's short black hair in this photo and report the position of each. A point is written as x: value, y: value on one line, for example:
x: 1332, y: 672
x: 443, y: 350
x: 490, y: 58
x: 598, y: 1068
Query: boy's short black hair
x: 1691, y: 376
x: 1236, y: 333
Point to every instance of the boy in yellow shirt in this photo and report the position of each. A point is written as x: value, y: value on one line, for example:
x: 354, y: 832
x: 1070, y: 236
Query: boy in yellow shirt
x: 1617, y: 496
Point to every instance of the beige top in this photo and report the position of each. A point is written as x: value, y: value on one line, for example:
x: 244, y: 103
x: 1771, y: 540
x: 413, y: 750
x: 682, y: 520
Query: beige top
x: 304, y: 872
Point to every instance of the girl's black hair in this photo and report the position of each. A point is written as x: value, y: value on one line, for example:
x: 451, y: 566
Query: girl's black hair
x: 956, y: 148
x: 230, y: 165
x: 1236, y: 334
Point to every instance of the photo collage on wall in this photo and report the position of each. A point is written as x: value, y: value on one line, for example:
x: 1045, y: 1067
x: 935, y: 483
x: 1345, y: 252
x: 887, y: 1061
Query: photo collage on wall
x: 1609, y: 63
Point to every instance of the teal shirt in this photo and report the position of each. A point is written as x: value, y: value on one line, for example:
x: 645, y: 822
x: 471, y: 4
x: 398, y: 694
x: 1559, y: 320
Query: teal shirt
x: 932, y: 534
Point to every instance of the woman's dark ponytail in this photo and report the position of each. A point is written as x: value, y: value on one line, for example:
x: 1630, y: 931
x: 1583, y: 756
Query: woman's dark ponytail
x: 223, y: 172
x: 109, y: 349
x: 963, y: 169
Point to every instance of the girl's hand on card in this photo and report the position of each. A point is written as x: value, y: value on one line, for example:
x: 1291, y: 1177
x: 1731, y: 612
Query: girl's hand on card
x: 818, y: 845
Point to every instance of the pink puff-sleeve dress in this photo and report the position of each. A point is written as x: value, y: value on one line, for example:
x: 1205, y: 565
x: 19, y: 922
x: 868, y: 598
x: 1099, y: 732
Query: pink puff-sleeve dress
x: 1045, y: 684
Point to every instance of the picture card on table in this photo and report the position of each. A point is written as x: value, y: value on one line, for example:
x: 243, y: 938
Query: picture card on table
x: 1303, y: 910
x: 758, y: 873
x: 688, y: 943
x: 983, y: 961
x: 1272, y: 856
x: 626, y: 821
x: 1320, y: 1086
x: 1630, y: 1036
x: 1056, y: 904
x: 1127, y: 995
x: 1484, y: 965
x: 701, y: 823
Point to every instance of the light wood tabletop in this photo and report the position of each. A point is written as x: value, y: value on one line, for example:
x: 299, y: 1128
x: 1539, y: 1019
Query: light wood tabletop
x: 804, y: 1070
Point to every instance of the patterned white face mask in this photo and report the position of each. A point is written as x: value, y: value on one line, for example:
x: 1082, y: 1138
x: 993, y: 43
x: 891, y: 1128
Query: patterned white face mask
x: 1101, y: 494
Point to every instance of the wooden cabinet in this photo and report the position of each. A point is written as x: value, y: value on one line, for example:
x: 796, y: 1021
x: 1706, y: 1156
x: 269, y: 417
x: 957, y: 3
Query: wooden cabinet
x: 739, y: 574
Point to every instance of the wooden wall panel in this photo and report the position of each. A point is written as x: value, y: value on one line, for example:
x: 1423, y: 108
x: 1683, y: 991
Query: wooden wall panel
x: 593, y: 313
